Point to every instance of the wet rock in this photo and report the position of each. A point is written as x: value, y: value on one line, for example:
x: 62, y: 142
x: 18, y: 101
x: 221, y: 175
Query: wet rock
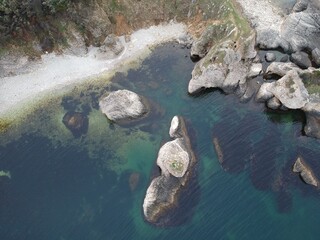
x: 76, y: 122
x: 255, y: 70
x: 123, y: 105
x: 301, y: 59
x: 176, y: 161
x: 270, y: 57
x: 305, y: 172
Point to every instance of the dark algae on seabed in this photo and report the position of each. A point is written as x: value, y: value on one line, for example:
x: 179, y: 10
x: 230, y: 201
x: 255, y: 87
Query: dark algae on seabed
x: 93, y: 186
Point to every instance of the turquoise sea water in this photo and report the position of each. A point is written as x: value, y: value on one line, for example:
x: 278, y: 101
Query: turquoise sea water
x: 93, y: 187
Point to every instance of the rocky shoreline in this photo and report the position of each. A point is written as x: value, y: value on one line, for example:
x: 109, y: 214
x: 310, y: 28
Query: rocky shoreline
x: 229, y: 60
x: 232, y: 62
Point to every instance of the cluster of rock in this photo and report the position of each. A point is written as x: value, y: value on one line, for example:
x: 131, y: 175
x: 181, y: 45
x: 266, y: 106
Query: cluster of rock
x: 229, y: 63
x: 176, y: 161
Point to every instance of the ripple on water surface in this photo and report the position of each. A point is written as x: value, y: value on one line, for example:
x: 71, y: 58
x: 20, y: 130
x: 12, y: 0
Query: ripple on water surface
x: 92, y: 187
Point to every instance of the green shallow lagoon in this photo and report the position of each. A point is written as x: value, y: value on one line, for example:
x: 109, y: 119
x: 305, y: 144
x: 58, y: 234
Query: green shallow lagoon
x: 93, y: 187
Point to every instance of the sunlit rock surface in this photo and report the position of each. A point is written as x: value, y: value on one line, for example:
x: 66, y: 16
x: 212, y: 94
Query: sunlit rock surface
x: 176, y: 161
x: 123, y: 105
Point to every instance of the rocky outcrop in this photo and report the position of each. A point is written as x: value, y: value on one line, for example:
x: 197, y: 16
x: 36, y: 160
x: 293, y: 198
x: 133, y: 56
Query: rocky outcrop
x: 176, y: 161
x: 297, y: 32
x: 76, y: 122
x: 305, y: 172
x: 289, y: 90
x: 224, y: 68
x: 123, y: 105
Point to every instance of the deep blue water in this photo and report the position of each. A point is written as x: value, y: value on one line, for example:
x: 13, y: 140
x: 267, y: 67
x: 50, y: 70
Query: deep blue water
x: 63, y: 191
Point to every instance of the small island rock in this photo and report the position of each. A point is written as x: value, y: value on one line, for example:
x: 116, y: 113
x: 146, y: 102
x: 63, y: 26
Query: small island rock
x: 176, y: 161
x: 305, y: 172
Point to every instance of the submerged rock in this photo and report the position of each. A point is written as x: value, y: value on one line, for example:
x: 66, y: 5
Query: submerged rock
x: 176, y: 161
x: 123, y: 105
x: 134, y: 181
x: 76, y: 122
x: 305, y: 172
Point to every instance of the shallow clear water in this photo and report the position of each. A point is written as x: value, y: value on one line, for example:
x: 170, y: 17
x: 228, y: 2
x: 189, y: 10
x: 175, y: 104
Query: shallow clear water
x: 93, y: 187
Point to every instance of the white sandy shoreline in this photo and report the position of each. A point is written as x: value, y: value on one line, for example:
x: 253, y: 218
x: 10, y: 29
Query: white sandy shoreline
x: 57, y: 72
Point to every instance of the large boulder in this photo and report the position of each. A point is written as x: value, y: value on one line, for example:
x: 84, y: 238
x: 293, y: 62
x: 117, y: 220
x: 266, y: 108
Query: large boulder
x: 289, y: 90
x: 176, y: 161
x: 123, y: 105
x: 305, y: 172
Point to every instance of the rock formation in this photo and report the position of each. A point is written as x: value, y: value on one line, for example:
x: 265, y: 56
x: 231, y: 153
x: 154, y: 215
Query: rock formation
x: 289, y: 90
x: 305, y: 172
x: 123, y: 105
x: 176, y: 161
